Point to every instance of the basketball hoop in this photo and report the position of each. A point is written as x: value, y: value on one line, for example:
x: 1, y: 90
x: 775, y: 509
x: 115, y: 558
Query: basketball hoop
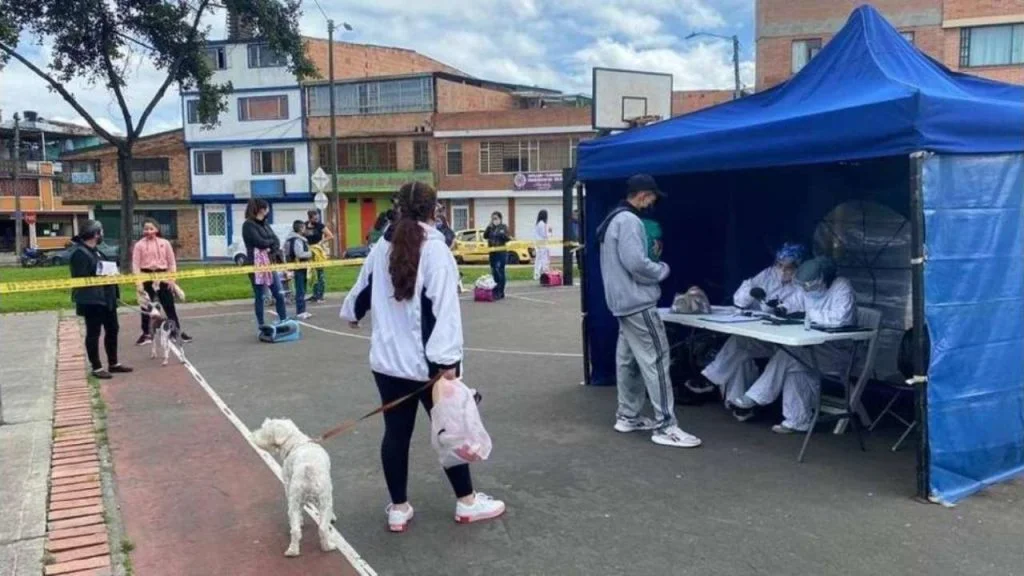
x: 642, y: 120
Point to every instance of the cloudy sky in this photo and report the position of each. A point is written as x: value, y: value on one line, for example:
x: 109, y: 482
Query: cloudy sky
x: 550, y: 43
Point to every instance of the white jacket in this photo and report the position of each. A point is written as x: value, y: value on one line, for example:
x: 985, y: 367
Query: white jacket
x: 412, y: 338
x: 789, y: 294
x: 835, y: 307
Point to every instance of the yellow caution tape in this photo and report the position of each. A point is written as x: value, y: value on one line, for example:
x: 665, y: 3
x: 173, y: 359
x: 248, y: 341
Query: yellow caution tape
x: 203, y: 272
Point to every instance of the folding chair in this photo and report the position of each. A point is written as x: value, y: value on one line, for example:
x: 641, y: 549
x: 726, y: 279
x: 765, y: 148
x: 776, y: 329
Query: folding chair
x: 905, y: 363
x: 840, y: 409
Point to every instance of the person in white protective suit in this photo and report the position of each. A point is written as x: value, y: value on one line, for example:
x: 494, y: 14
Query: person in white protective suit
x: 772, y: 290
x: 828, y: 302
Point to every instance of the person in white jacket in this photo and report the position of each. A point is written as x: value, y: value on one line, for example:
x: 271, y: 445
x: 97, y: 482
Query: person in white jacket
x: 772, y: 290
x: 409, y: 284
x: 828, y: 302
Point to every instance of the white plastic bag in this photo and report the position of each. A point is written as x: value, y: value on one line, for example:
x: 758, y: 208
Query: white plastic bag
x: 485, y: 282
x: 456, y: 431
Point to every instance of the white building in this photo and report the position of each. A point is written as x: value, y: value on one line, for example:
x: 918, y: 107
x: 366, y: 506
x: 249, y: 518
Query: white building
x: 256, y: 150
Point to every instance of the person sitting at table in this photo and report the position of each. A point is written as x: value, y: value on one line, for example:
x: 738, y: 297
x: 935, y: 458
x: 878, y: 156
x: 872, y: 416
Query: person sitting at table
x: 772, y: 290
x: 828, y: 302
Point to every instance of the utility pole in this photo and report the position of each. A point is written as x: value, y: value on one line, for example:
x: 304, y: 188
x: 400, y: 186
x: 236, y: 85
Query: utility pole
x: 17, y: 192
x: 737, y: 92
x: 335, y: 213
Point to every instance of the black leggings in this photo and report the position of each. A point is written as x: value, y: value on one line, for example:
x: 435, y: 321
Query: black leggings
x: 166, y: 299
x: 100, y: 318
x: 398, y: 426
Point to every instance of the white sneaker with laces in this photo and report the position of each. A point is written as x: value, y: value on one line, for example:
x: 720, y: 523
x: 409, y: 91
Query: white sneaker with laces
x: 675, y: 437
x: 783, y: 429
x: 483, y: 508
x: 626, y: 425
x: 743, y: 402
x: 398, y: 520
x: 304, y: 316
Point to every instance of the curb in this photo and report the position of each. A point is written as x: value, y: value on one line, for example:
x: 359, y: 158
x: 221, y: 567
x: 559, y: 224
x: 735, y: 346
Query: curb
x: 77, y: 543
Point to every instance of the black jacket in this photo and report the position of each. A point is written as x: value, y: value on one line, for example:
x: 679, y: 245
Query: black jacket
x: 259, y: 235
x: 497, y: 235
x: 83, y: 263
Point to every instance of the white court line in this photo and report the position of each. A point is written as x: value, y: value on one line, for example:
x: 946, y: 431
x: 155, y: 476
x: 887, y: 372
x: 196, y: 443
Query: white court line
x: 525, y: 299
x: 346, y: 549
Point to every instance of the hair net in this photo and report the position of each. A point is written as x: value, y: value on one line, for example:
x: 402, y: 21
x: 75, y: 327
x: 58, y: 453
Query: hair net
x: 821, y: 269
x: 791, y: 252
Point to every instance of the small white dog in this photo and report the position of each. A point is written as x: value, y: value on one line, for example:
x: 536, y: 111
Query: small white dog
x: 307, y: 477
x: 163, y: 329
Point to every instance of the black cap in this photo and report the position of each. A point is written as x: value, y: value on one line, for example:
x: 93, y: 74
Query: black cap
x: 642, y: 182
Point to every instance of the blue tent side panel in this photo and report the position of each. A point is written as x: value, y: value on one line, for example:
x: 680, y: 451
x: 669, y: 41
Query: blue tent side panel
x: 974, y: 304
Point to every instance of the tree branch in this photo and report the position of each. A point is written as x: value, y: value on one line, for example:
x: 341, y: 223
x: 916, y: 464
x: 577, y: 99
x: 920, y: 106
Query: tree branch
x: 172, y: 72
x: 115, y: 83
x: 68, y: 97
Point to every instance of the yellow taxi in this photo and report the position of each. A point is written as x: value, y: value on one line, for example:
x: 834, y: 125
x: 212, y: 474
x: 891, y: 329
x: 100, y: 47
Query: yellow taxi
x: 470, y: 247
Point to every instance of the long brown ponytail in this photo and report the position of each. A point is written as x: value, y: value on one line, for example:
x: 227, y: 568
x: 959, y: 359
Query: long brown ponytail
x: 416, y: 203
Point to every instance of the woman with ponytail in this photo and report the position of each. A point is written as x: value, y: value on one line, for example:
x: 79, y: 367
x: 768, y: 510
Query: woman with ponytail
x: 409, y: 284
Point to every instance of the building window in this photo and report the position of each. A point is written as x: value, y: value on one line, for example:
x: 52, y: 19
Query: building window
x: 52, y: 225
x: 378, y: 97
x: 361, y: 157
x: 273, y: 161
x: 152, y: 170
x: 453, y: 155
x: 208, y: 162
x: 992, y: 45
x: 908, y: 36
x: 83, y: 171
x: 263, y: 108
x: 509, y: 157
x: 420, y: 155
x: 460, y: 215
x: 803, y: 51
x: 192, y: 113
x: 216, y: 58
x: 167, y: 222
x: 263, y: 56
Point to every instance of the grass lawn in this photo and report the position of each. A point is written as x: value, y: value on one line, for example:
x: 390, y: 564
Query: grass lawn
x: 196, y: 290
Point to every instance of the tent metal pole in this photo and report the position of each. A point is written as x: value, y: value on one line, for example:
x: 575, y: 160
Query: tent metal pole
x: 917, y: 261
x: 587, y: 381
x: 568, y: 183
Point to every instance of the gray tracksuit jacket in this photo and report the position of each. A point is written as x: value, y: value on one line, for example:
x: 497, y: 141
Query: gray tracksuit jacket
x: 631, y: 279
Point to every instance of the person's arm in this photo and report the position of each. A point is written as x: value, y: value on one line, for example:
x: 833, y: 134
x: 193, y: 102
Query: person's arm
x: 444, y: 347
x: 742, y: 298
x: 840, y: 311
x: 81, y: 265
x: 328, y: 235
x: 358, y: 300
x: 172, y: 261
x: 249, y: 235
x: 488, y: 231
x: 137, y: 262
x: 633, y: 254
x: 301, y: 248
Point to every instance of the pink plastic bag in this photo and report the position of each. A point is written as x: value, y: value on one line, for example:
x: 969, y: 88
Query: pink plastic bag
x: 456, y: 431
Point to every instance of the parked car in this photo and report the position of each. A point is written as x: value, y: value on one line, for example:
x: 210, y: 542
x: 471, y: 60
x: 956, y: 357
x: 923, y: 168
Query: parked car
x: 237, y: 253
x: 471, y: 247
x: 357, y: 252
x: 62, y: 257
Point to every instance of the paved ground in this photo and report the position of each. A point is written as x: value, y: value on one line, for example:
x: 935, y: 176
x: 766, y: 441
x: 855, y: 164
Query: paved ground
x: 27, y: 363
x: 583, y: 499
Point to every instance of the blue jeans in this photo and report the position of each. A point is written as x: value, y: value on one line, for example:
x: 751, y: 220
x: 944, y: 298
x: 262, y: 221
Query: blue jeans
x: 300, y: 291
x: 275, y: 290
x: 318, y: 286
x: 498, y: 261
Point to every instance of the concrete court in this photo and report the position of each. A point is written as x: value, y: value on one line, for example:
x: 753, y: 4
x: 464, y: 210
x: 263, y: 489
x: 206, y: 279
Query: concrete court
x: 585, y: 500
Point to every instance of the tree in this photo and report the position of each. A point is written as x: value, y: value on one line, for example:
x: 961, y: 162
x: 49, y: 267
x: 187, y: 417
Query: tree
x: 96, y: 40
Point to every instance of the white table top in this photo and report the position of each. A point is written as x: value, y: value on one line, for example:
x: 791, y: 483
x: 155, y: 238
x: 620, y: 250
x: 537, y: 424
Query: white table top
x: 788, y: 335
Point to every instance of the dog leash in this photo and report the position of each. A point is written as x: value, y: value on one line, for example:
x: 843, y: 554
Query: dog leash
x: 350, y: 424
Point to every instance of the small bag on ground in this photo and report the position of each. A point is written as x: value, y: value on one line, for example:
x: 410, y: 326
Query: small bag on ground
x: 551, y: 278
x: 456, y: 431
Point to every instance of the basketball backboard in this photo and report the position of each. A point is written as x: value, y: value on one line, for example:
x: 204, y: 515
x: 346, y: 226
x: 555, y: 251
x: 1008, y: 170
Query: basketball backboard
x: 624, y: 95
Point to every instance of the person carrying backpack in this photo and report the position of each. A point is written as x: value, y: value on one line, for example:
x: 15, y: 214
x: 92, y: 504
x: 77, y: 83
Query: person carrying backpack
x: 296, y: 249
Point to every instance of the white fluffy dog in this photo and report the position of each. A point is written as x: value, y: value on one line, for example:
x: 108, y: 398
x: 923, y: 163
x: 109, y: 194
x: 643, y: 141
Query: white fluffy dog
x: 307, y: 477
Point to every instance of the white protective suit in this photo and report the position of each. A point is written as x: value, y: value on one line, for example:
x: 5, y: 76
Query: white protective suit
x: 798, y: 384
x: 733, y: 369
x: 542, y: 263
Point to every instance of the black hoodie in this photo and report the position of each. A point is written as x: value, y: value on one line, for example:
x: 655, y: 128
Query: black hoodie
x: 83, y: 263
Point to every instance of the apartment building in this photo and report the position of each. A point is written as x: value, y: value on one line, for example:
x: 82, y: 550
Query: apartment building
x: 979, y: 37
x: 160, y: 173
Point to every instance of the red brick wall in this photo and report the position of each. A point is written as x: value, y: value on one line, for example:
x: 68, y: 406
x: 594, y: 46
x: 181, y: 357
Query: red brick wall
x: 364, y: 60
x: 457, y: 97
x: 188, y: 242
x: 471, y: 178
x: 686, y: 101
x: 169, y: 145
x: 517, y: 118
x: 369, y: 125
x: 958, y: 9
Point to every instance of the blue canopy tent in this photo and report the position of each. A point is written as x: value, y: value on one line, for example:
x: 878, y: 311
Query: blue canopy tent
x: 870, y: 117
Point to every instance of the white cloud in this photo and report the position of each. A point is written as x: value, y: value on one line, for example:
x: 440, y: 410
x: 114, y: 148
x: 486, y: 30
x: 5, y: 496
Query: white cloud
x: 627, y: 22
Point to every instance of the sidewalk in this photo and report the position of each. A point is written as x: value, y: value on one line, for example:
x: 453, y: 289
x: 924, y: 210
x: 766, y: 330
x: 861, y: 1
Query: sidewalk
x: 28, y: 346
x: 195, y: 498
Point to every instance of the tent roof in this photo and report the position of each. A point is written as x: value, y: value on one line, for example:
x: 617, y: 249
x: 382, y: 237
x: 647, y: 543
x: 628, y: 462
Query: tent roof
x: 869, y: 93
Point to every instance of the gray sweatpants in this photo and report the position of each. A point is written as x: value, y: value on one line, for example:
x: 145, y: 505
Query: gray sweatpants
x: 642, y: 365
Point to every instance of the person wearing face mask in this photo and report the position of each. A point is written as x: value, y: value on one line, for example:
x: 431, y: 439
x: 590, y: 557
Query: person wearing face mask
x: 497, y: 236
x: 772, y: 290
x: 262, y: 247
x: 632, y: 290
x: 96, y: 304
x: 829, y: 302
x: 153, y: 254
x: 541, y: 234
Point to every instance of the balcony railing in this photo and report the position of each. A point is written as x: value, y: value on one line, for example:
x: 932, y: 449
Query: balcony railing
x: 382, y: 181
x: 26, y: 168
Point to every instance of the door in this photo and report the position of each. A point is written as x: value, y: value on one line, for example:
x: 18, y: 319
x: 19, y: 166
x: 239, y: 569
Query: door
x: 367, y: 215
x: 216, y: 232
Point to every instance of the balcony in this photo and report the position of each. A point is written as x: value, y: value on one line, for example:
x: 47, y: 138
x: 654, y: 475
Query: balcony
x: 381, y: 181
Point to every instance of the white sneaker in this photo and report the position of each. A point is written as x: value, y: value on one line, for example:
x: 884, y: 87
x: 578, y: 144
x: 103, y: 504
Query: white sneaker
x: 483, y: 508
x: 398, y: 520
x: 673, y: 436
x: 699, y: 386
x: 626, y: 425
x: 304, y: 316
x: 743, y: 402
x: 783, y: 429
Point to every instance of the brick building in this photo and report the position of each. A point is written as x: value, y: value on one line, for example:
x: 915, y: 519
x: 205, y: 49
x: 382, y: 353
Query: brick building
x: 686, y: 101
x: 980, y: 37
x: 161, y: 177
